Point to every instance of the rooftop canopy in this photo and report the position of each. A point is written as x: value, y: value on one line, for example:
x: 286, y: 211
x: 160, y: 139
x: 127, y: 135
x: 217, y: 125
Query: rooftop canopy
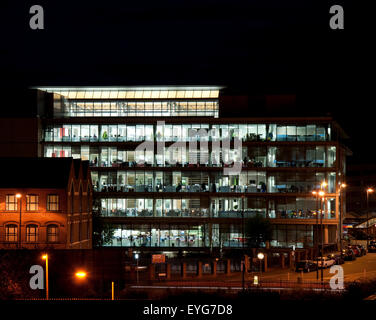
x: 197, y: 92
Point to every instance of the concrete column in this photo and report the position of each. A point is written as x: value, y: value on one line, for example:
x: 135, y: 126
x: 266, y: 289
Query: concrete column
x: 152, y: 272
x: 184, y: 270
x: 168, y: 271
x: 228, y: 267
x: 214, y: 268
x: 291, y: 260
x: 282, y: 261
x: 326, y: 234
x: 199, y: 269
x: 265, y: 262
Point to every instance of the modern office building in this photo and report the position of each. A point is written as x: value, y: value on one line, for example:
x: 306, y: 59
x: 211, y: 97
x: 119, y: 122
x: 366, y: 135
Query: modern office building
x: 170, y: 173
x: 45, y: 204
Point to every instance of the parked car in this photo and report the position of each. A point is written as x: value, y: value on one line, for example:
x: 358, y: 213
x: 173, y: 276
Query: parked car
x: 306, y: 266
x: 356, y: 250
x: 326, y: 262
x: 372, y: 246
x: 339, y: 258
x: 349, y: 254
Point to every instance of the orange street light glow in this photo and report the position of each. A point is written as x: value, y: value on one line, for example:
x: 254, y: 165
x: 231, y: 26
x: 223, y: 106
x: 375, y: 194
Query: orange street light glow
x: 324, y: 184
x: 18, y: 195
x: 314, y: 192
x: 44, y: 257
x: 321, y: 193
x: 80, y: 274
x: 370, y: 190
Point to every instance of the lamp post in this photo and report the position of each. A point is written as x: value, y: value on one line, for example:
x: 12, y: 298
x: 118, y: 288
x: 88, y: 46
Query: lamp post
x: 342, y: 186
x: 260, y: 256
x: 19, y: 196
x: 45, y: 257
x: 243, y: 262
x: 322, y: 195
x: 315, y: 193
x: 369, y: 190
x: 81, y: 275
x: 136, y: 256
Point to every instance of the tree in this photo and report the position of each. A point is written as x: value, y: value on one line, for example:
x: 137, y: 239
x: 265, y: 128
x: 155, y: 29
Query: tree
x: 257, y: 230
x: 15, y: 275
x: 102, y: 232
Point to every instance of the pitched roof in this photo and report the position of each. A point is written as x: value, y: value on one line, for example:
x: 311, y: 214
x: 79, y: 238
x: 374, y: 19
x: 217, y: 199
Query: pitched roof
x: 35, y: 172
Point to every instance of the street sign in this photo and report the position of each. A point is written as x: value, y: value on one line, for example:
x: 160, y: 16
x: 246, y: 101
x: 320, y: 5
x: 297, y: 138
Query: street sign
x: 158, y: 258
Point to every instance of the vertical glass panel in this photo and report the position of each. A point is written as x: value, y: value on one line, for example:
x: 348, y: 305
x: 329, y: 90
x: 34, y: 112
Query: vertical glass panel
x: 321, y: 133
x: 332, y: 156
x: 94, y: 156
x: 112, y: 133
x: 104, y: 133
x: 311, y: 132
x: 261, y: 132
x: 131, y: 133
x: 291, y: 133
x: 252, y: 132
x: 85, y: 133
x: 271, y: 132
x: 122, y: 132
x: 76, y: 152
x: 301, y: 132
x: 76, y: 132
x: 140, y: 133
x: 66, y: 132
x: 85, y: 152
x: 94, y: 133
x: 149, y: 133
x: 281, y: 133
x: 104, y: 157
x: 113, y: 161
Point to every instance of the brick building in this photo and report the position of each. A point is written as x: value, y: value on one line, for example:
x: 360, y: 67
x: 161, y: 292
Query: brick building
x: 51, y: 199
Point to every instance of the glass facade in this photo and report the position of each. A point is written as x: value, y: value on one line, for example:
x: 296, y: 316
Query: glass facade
x: 183, y: 191
x: 180, y: 132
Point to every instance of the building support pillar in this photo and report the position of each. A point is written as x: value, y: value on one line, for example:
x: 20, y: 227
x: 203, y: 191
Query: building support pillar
x: 199, y: 269
x: 152, y: 272
x: 228, y: 267
x: 168, y: 271
x: 214, y: 268
x: 265, y: 262
x: 184, y: 270
x: 326, y: 234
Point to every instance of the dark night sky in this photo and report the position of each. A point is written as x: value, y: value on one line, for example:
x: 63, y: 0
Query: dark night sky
x: 257, y: 46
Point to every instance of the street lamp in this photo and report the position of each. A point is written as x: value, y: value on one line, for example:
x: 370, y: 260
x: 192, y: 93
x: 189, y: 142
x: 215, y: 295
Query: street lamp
x: 136, y: 256
x: 342, y: 186
x: 45, y: 257
x: 243, y: 242
x: 260, y: 256
x: 369, y: 190
x: 80, y: 274
x: 316, y: 194
x: 322, y: 195
x: 19, y: 196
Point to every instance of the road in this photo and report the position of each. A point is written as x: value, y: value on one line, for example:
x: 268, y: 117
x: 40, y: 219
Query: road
x: 362, y: 267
